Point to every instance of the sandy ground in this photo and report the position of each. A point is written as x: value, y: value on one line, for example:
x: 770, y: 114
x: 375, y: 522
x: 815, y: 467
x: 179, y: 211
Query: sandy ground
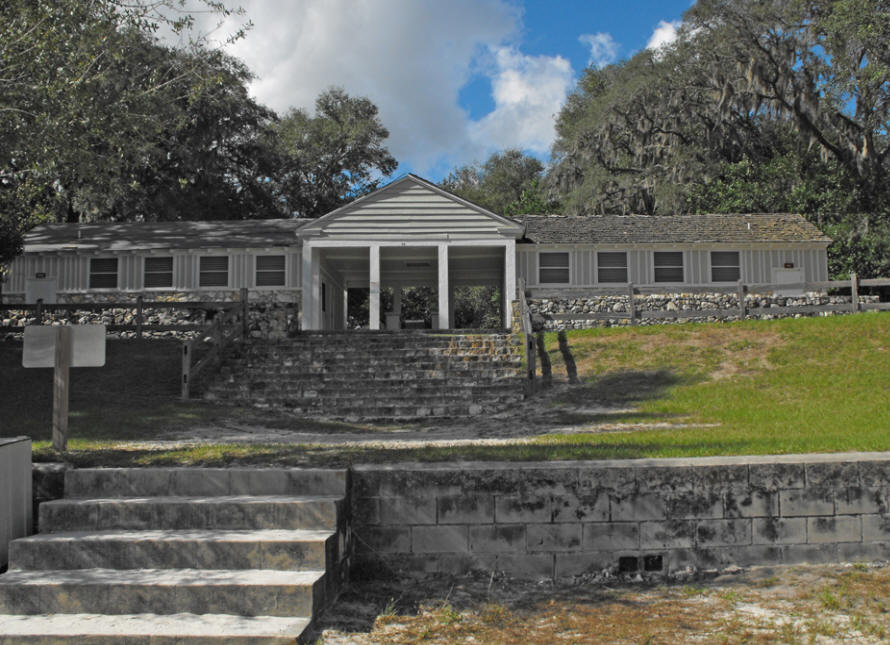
x: 802, y: 604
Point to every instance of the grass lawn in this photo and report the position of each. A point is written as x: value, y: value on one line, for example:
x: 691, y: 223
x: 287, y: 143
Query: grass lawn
x: 754, y: 387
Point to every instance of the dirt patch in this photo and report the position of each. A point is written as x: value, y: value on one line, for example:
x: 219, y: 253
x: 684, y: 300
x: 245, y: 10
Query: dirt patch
x: 824, y: 604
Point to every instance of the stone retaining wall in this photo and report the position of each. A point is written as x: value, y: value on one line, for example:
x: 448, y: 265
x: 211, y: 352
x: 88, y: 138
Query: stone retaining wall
x: 269, y: 320
x: 562, y: 520
x: 708, y: 304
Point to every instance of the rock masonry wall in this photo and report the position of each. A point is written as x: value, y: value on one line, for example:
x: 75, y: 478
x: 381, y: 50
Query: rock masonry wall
x: 577, y: 519
x: 709, y: 304
x: 272, y: 315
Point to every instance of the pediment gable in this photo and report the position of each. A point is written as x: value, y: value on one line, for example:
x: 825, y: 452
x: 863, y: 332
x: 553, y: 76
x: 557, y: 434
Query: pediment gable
x: 412, y: 208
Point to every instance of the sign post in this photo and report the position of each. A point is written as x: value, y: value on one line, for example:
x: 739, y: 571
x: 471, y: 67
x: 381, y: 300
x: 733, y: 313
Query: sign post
x: 61, y: 379
x: 63, y: 347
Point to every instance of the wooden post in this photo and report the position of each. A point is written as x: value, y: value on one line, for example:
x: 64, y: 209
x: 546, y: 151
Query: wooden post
x: 244, y: 310
x: 854, y: 292
x: 139, y: 317
x: 61, y: 373
x: 743, y: 307
x: 546, y: 370
x: 186, y: 368
x: 632, y: 304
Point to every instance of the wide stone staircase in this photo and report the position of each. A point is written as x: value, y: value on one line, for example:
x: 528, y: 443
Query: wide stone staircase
x: 376, y: 375
x: 178, y: 555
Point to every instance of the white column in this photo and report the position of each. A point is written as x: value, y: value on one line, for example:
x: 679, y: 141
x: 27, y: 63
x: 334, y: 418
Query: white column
x: 308, y: 295
x: 345, y: 307
x: 397, y: 300
x: 374, y: 284
x: 442, y: 323
x: 509, y: 282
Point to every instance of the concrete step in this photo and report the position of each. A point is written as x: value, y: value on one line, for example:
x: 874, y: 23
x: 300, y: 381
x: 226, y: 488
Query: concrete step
x: 142, y: 629
x: 372, y: 394
x: 249, y: 592
x: 169, y: 482
x: 222, y: 512
x: 165, y: 549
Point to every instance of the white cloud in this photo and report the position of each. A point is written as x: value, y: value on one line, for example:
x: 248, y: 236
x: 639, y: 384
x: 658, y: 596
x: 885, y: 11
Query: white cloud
x: 528, y: 91
x: 603, y: 48
x: 411, y: 59
x: 665, y: 33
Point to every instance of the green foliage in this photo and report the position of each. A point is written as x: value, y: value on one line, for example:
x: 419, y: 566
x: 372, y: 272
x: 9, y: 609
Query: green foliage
x: 100, y: 121
x: 508, y: 183
x: 335, y: 156
x: 756, y: 107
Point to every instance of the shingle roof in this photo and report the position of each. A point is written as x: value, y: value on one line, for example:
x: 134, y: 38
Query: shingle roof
x: 144, y: 236
x: 670, y: 229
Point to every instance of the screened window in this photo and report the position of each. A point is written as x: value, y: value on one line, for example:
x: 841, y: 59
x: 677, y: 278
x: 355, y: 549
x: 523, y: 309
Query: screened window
x: 214, y: 271
x: 553, y: 268
x: 668, y: 266
x: 611, y: 266
x: 158, y: 273
x: 270, y: 271
x: 725, y: 266
x: 103, y: 273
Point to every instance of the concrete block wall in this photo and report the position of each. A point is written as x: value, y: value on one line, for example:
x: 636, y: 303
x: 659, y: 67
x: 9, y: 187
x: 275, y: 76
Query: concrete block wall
x: 566, y: 519
x: 15, y: 492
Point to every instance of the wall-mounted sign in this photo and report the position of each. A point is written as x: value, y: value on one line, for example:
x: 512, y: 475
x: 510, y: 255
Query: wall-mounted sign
x: 40, y: 275
x: 789, y: 265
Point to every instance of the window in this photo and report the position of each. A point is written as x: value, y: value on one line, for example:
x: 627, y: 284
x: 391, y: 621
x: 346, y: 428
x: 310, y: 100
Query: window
x: 669, y: 266
x: 103, y: 273
x: 214, y: 271
x: 158, y: 273
x: 270, y: 271
x: 611, y: 266
x: 725, y: 266
x: 553, y: 268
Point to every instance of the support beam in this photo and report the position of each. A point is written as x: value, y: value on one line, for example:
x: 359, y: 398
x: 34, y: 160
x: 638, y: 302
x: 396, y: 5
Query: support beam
x: 374, y: 286
x: 444, y: 305
x: 307, y: 304
x: 509, y: 282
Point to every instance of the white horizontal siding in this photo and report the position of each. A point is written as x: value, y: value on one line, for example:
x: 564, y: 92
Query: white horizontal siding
x: 408, y: 209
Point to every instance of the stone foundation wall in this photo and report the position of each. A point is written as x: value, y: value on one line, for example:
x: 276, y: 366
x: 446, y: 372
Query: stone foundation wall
x: 572, y: 519
x: 709, y: 304
x: 270, y: 318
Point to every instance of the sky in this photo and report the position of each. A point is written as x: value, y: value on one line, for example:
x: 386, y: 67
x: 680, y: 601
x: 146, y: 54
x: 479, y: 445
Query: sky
x: 454, y: 80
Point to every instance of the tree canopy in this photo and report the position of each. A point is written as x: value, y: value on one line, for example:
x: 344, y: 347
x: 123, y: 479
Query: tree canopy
x: 101, y: 120
x: 757, y: 106
x: 508, y: 183
x: 331, y: 157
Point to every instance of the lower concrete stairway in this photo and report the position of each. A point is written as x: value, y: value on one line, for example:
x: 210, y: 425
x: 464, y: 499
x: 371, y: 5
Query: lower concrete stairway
x: 178, y: 555
x: 376, y: 375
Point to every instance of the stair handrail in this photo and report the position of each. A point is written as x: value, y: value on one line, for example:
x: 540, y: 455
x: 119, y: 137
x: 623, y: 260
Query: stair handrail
x: 223, y: 329
x: 528, y: 334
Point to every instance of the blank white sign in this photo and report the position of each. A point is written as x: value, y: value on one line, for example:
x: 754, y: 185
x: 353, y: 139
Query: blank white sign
x: 87, y: 346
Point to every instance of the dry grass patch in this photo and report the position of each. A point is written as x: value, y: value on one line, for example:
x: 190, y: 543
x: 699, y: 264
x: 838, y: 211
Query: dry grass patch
x: 801, y: 605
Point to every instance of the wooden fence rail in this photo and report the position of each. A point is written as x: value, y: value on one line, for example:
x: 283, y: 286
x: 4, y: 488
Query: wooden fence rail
x: 634, y: 313
x: 139, y: 324
x: 224, y: 329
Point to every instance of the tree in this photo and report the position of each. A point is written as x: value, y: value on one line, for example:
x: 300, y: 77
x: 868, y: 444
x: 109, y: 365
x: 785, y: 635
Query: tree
x: 508, y: 183
x: 330, y: 158
x: 87, y: 92
x: 822, y: 64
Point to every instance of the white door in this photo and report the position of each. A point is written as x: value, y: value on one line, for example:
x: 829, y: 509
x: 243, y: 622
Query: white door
x: 788, y: 276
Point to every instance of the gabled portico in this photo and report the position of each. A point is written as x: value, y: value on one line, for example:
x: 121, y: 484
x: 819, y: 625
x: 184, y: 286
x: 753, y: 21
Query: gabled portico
x: 408, y: 233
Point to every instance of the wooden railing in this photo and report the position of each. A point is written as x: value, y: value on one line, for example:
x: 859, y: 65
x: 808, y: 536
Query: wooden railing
x: 634, y: 313
x: 139, y: 324
x: 528, y: 335
x: 225, y: 328
x: 229, y: 323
